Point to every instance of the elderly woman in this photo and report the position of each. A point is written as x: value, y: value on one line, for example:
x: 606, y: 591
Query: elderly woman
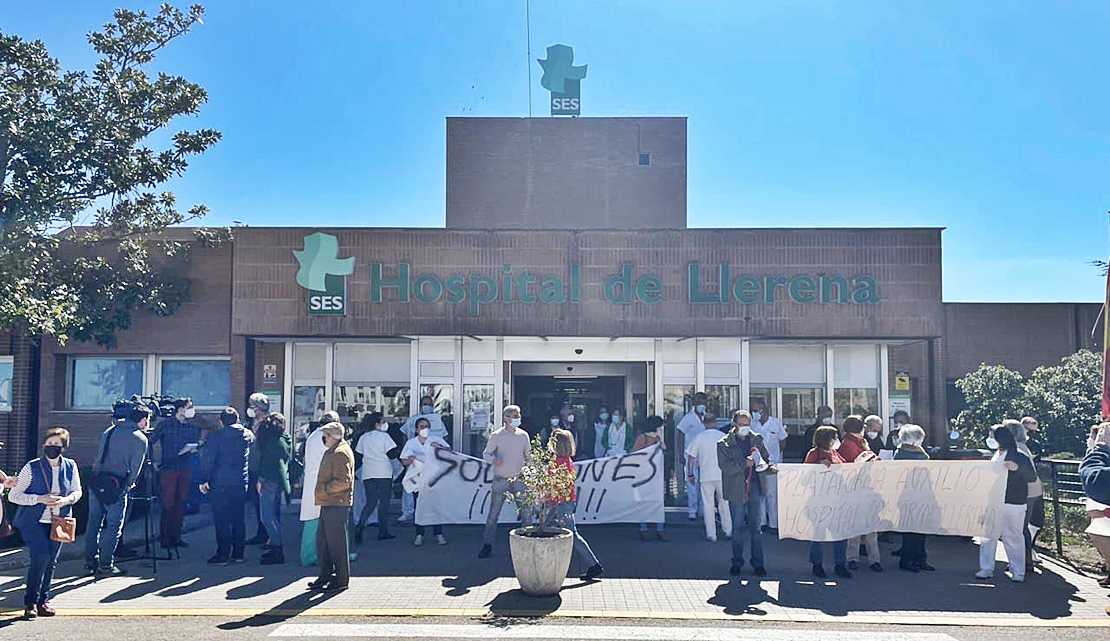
x: 46, y: 487
x: 914, y: 556
x: 825, y: 452
x: 335, y: 486
x: 1094, y: 471
x: 855, y: 449
x: 1019, y: 474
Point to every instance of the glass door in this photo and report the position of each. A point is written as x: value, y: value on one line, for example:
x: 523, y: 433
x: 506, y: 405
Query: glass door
x: 677, y: 401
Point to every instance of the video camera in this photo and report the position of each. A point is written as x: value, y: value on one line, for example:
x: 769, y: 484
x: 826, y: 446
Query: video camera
x: 161, y: 406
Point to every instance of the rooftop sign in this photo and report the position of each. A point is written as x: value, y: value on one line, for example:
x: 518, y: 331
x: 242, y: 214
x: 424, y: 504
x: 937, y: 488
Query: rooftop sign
x: 563, y: 80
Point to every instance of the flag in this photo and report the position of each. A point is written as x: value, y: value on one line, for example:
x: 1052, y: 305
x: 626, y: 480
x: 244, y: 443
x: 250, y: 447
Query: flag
x: 1106, y: 351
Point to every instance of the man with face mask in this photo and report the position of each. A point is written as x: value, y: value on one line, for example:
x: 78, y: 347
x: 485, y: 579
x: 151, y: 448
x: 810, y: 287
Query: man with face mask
x: 743, y: 460
x: 506, y: 451
x: 258, y: 408
x: 121, y: 453
x: 893, y: 440
x: 689, y: 427
x: 774, y: 439
x: 178, y: 437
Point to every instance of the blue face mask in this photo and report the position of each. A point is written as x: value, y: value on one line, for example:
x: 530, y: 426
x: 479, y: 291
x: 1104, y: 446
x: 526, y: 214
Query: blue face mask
x: 700, y: 409
x: 427, y: 409
x: 603, y: 416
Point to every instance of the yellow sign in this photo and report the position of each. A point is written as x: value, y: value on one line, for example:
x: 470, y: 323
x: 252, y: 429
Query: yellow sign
x: 901, y: 382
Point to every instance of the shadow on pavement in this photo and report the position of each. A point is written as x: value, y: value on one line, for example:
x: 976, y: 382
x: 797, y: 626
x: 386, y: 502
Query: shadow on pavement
x: 741, y: 597
x: 517, y: 603
x: 284, y: 611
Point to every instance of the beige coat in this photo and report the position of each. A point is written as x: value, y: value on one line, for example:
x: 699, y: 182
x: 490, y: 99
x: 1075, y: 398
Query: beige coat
x: 335, y: 483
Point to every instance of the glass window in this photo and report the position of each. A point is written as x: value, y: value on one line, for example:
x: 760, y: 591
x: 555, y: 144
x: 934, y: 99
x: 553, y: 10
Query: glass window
x: 96, y: 383
x: 677, y: 401
x: 855, y: 400
x: 207, y: 382
x: 6, y: 384
x: 799, y: 407
x: 443, y: 399
x: 478, y: 417
x: 769, y: 396
x: 722, y: 400
x: 308, y: 407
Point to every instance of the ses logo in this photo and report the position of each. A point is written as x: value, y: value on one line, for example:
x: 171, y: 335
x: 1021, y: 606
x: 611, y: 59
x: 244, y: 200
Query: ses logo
x: 324, y: 274
x: 563, y: 80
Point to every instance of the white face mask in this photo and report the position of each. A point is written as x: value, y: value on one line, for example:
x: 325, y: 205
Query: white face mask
x: 835, y: 444
x: 603, y: 416
x: 991, y: 443
x: 617, y: 418
x: 515, y: 422
x: 250, y: 412
x: 827, y: 420
x: 424, y: 432
x: 190, y: 412
x: 744, y: 430
x: 426, y: 409
x: 872, y: 435
x: 554, y: 422
x: 700, y: 409
x: 384, y: 427
x: 570, y: 418
x: 756, y: 416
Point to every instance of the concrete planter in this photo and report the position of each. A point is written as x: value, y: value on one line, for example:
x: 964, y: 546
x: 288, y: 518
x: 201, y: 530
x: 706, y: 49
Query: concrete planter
x: 541, y: 563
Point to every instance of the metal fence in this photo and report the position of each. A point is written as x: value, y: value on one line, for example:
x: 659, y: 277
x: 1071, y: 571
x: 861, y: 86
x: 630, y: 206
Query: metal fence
x: 1062, y: 486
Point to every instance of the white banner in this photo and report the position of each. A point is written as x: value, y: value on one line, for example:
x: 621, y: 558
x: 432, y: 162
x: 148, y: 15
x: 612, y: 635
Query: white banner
x: 958, y: 498
x: 455, y: 488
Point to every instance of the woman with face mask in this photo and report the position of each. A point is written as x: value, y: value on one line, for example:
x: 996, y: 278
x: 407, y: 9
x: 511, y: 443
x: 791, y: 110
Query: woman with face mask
x: 913, y: 557
x: 825, y: 452
x: 46, y: 487
x: 419, y: 448
x: 618, y: 438
x: 378, y: 451
x: 1019, y: 474
x: 652, y: 434
x: 600, y: 426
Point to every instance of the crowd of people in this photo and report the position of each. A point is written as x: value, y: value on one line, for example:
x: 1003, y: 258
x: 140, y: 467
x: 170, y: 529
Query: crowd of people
x: 730, y: 469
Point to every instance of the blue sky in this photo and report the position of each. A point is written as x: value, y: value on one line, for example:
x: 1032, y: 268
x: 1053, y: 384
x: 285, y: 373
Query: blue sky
x: 987, y: 118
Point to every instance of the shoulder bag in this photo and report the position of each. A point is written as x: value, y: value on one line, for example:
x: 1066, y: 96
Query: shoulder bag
x: 108, y: 488
x: 63, y: 529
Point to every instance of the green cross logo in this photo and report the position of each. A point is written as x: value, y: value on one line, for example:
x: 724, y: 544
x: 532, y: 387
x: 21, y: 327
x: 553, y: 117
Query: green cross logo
x: 324, y: 274
x: 563, y: 80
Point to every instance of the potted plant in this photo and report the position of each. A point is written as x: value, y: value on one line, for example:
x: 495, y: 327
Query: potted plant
x: 541, y: 552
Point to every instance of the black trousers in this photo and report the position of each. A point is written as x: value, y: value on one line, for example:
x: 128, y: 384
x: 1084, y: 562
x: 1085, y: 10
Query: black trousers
x: 332, y: 553
x: 378, y: 493
x: 913, y: 548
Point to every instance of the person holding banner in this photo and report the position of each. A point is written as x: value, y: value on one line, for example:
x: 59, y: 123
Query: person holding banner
x: 914, y: 556
x: 417, y: 450
x: 702, y: 454
x: 690, y: 426
x: 561, y: 445
x: 742, y: 458
x: 1020, y: 473
x: 649, y: 437
x: 506, y: 451
x: 1094, y: 472
x: 825, y: 452
x: 854, y: 449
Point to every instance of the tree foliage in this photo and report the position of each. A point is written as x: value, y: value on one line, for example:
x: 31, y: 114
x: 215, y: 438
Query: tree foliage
x: 81, y: 212
x: 1064, y: 398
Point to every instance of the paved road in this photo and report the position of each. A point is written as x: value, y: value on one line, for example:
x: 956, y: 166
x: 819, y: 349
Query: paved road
x: 409, y: 629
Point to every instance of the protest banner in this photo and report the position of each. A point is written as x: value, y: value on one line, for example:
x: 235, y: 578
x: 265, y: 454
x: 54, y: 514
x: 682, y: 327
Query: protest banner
x: 958, y: 498
x: 455, y: 488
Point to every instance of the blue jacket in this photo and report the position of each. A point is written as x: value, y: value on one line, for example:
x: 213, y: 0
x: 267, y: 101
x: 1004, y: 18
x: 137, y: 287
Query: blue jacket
x: 41, y: 480
x: 224, y: 458
x: 174, y: 435
x: 1094, y: 471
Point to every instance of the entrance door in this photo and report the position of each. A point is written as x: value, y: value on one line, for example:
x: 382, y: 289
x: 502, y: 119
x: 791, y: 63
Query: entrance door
x: 542, y: 397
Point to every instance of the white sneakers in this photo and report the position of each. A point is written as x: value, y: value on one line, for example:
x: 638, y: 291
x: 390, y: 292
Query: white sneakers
x: 419, y: 540
x: 711, y: 539
x: 441, y: 540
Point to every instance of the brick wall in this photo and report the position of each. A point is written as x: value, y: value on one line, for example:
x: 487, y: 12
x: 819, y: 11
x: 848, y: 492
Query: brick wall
x: 566, y: 173
x: 200, y: 328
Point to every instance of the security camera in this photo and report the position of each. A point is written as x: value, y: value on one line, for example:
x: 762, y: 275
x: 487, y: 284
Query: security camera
x: 570, y: 369
x: 578, y: 351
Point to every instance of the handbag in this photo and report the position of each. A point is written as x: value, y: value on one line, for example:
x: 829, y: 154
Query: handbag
x: 63, y: 529
x: 108, y: 488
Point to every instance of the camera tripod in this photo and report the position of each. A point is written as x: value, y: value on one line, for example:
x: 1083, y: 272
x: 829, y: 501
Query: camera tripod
x: 146, y: 491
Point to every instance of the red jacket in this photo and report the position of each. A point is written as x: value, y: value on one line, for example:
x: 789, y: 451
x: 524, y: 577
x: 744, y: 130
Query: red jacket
x: 851, y: 447
x: 818, y: 455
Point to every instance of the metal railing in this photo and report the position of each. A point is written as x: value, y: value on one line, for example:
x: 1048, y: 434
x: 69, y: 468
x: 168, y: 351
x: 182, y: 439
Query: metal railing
x: 1062, y: 486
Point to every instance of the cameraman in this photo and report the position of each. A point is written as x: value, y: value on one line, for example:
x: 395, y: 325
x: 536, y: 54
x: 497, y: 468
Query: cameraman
x: 119, y: 459
x: 178, y: 437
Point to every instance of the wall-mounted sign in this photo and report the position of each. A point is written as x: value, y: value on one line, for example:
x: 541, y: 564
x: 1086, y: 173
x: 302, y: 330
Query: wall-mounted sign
x: 269, y: 373
x: 324, y: 274
x: 901, y: 381
x: 563, y: 80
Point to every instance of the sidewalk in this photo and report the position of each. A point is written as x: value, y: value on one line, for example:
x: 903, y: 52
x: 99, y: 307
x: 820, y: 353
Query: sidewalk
x: 685, y: 578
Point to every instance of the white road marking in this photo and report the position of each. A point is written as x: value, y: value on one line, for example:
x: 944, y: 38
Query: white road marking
x: 585, y: 633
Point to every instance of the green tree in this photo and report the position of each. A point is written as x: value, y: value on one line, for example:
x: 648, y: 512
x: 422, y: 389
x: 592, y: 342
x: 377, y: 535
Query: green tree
x: 1064, y: 398
x: 81, y: 214
x: 992, y: 393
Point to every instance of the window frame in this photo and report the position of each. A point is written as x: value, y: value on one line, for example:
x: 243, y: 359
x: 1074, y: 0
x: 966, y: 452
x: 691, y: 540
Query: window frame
x: 8, y: 360
x: 71, y: 362
x: 156, y: 381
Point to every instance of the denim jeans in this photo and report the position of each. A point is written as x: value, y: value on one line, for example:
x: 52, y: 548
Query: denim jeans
x: 817, y: 552
x: 496, y: 502
x: 272, y: 498
x: 44, y: 556
x: 752, y: 509
x: 104, y: 530
x: 230, y: 521
x: 563, y: 516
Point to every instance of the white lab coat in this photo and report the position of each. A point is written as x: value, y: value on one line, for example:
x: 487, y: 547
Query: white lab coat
x: 314, y: 450
x: 435, y: 426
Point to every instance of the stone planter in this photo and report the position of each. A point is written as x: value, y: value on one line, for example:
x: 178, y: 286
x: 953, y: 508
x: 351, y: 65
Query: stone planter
x: 541, y: 562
